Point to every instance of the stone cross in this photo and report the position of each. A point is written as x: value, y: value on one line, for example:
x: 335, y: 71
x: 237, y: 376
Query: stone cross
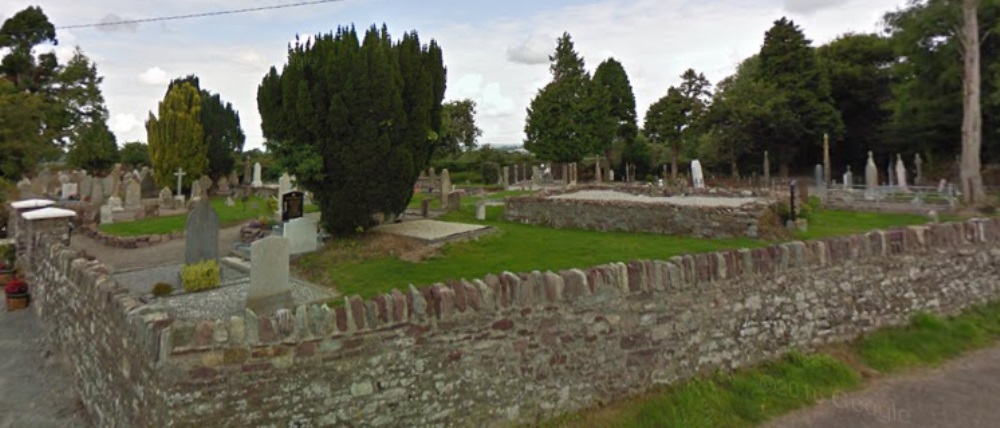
x: 201, y: 234
x: 270, y: 289
x: 180, y: 175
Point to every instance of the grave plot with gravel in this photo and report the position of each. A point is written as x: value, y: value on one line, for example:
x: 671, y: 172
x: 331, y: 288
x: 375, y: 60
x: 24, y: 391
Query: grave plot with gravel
x: 612, y: 211
x: 433, y: 231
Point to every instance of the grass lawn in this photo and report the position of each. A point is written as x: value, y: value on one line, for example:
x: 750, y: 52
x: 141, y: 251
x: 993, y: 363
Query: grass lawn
x: 228, y: 216
x: 524, y: 248
x: 754, y: 395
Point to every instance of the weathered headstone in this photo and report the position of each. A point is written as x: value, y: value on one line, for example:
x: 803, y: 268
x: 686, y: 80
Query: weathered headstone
x: 222, y: 185
x: 180, y: 175
x: 115, y: 203
x: 133, y: 194
x: 480, y: 211
x: 697, y: 175
x: 919, y: 165
x: 230, y: 202
x: 167, y: 198
x: 284, y: 186
x: 445, y: 188
x: 24, y: 185
x: 597, y: 170
x: 247, y: 173
x: 234, y: 179
x: 611, y: 175
x: 890, y: 172
x: 901, y: 173
x: 425, y: 207
x: 302, y: 235
x: 196, y: 190
x: 147, y: 183
x: 827, y: 167
x: 69, y: 190
x: 107, y: 214
x: 97, y: 192
x: 505, y: 177
x: 818, y: 177
x: 206, y: 184
x: 871, y: 173
x: 269, y: 286
x: 848, y: 178
x: 942, y: 186
x: 201, y: 234
x: 256, y: 176
x: 536, y: 176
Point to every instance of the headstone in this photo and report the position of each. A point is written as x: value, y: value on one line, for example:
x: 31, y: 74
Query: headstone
x: 269, y: 286
x: 901, y: 173
x: 890, y: 172
x: 871, y: 173
x: 455, y: 201
x: 697, y: 175
x: 767, y: 168
x: 505, y: 177
x: 597, y: 170
x: 302, y: 235
x: 69, y: 190
x: 147, y: 184
x: 536, y: 176
x: 206, y: 184
x: 942, y: 186
x: 166, y: 198
x: 848, y: 178
x: 480, y: 212
x: 284, y: 184
x: 107, y: 185
x: 222, y: 185
x: 919, y: 165
x: 24, y: 185
x: 230, y: 202
x: 818, y: 177
x: 201, y: 234
x: 425, y: 207
x: 247, y: 173
x: 196, y: 190
x: 133, y: 194
x: 292, y: 206
x: 445, y: 188
x: 611, y: 175
x: 256, y: 176
x: 234, y: 179
x: 107, y: 214
x: 97, y: 192
x: 86, y: 185
x: 116, y: 183
x: 115, y: 203
x: 827, y: 167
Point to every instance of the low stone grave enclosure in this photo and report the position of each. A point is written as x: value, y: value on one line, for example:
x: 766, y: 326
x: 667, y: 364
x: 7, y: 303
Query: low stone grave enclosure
x: 435, y: 232
x: 705, y: 216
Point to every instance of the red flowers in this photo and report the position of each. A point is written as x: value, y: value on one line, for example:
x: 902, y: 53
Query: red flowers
x: 16, y: 286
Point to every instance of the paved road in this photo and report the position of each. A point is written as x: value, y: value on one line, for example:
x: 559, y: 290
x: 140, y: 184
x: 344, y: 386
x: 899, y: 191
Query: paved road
x: 35, y: 388
x: 964, y: 393
x: 169, y: 252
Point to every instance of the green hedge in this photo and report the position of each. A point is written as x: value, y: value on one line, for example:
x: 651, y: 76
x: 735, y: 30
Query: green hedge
x: 200, y: 276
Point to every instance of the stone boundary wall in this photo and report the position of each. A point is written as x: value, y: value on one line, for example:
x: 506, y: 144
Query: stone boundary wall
x: 141, y: 241
x: 505, y: 349
x: 749, y: 220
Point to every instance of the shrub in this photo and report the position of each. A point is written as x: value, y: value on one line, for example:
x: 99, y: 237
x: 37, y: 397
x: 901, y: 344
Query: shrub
x: 200, y: 276
x: 803, y: 211
x: 465, y: 177
x: 490, y: 172
x: 162, y: 289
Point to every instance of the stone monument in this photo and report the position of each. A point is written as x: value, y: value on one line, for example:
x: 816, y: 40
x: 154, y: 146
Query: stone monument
x: 201, y: 234
x: 133, y: 194
x: 871, y: 173
x: 697, y: 175
x: 445, y: 188
x: 256, y: 176
x: 269, y: 286
x: 901, y: 173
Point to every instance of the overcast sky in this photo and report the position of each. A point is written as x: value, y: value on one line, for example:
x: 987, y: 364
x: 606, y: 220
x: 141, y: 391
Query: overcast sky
x: 496, y: 51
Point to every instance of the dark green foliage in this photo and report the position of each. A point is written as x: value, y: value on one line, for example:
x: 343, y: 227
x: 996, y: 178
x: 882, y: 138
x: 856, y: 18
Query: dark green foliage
x: 612, y: 77
x: 570, y: 117
x: 134, y: 154
x: 490, y: 172
x: 459, y: 132
x: 175, y: 137
x: 20, y: 34
x: 356, y: 121
x: 673, y: 119
x: 222, y: 133
x: 858, y: 66
x: 95, y: 149
x: 162, y: 289
x: 804, y: 109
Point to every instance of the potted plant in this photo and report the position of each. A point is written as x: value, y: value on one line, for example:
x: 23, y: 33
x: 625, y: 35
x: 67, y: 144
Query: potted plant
x: 17, y: 294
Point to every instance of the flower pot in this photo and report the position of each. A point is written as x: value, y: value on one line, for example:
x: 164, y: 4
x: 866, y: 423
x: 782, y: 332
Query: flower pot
x: 16, y: 302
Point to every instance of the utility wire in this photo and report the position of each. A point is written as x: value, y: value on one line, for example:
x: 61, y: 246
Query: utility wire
x: 196, y: 15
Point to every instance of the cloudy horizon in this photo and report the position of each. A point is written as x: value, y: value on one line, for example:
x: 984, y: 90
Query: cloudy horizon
x: 496, y: 54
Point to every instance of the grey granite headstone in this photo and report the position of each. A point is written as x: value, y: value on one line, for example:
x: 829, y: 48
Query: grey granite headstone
x: 167, y: 198
x: 871, y: 173
x: 133, y: 194
x: 201, y: 234
x: 107, y: 215
x: 445, y: 187
x: 818, y: 177
x: 269, y: 286
x: 97, y: 192
x: 147, y: 183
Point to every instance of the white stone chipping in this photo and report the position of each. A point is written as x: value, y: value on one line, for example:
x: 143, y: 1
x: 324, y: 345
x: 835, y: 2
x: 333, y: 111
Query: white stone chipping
x: 696, y: 201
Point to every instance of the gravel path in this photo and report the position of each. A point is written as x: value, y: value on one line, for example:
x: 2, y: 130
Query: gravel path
x: 699, y: 201
x: 36, y: 389
x: 231, y: 300
x: 169, y: 252
x: 141, y: 281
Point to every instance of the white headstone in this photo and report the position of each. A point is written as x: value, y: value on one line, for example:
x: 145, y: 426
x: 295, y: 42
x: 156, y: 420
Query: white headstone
x: 284, y: 186
x: 871, y: 173
x: 269, y: 286
x: 848, y: 179
x: 69, y: 190
x: 942, y: 186
x: 445, y: 188
x: 302, y: 234
x: 230, y: 202
x: 196, y: 190
x: 901, y: 174
x: 256, y: 176
x: 611, y: 175
x: 115, y: 203
x: 481, y: 212
x: 133, y: 194
x: 697, y: 175
x: 107, y: 214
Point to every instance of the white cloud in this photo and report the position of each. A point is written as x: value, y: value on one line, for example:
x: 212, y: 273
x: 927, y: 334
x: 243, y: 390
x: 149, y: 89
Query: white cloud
x: 808, y: 7
x: 532, y: 51
x: 124, y: 123
x: 154, y: 76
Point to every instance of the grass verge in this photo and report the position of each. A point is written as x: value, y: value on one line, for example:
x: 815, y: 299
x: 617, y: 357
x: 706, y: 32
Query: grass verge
x: 754, y: 395
x: 255, y: 207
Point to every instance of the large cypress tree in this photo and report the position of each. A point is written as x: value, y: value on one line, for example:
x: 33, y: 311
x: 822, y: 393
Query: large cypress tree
x: 220, y: 123
x: 571, y: 117
x: 356, y: 121
x: 175, y: 137
x: 788, y: 62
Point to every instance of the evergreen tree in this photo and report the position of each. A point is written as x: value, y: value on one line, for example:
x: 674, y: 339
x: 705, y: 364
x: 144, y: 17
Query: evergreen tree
x: 570, y: 117
x: 671, y: 119
x: 788, y: 62
x: 612, y: 77
x: 356, y: 121
x: 175, y: 137
x: 221, y: 128
x: 94, y: 148
x: 84, y: 116
x: 135, y: 154
x: 458, y: 127
x: 22, y: 144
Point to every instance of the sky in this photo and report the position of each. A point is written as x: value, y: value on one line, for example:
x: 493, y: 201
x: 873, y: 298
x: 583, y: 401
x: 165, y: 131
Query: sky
x: 496, y: 52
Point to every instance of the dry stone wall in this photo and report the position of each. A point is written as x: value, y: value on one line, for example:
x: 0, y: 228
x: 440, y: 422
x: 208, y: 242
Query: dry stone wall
x: 506, y: 349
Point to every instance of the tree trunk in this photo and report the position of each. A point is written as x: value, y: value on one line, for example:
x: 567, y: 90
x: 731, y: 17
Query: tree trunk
x: 972, y: 123
x: 674, y: 154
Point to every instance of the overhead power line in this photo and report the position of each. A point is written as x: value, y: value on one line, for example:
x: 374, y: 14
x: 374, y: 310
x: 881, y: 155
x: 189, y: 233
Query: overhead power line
x: 196, y: 15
